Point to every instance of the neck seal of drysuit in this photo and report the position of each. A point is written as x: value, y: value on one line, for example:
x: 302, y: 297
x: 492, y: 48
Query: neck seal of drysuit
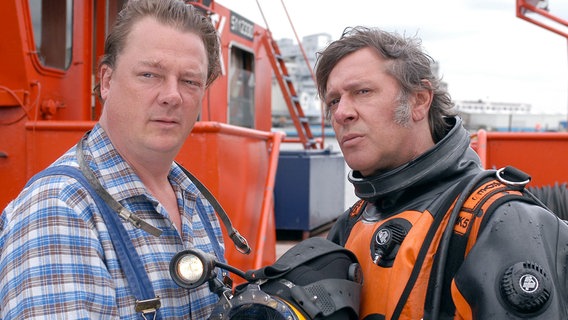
x: 450, y: 155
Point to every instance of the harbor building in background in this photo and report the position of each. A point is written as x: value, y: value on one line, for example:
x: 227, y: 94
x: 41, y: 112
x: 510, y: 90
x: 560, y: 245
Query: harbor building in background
x: 477, y: 114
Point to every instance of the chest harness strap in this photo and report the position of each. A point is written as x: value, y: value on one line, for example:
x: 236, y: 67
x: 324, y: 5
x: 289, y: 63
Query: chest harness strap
x: 438, y: 302
x: 440, y: 210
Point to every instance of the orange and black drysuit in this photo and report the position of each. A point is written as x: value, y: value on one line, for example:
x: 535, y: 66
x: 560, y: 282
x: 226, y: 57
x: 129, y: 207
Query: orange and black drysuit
x: 504, y: 255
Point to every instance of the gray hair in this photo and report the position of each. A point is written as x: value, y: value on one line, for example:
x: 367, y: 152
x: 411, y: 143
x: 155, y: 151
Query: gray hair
x: 410, y: 66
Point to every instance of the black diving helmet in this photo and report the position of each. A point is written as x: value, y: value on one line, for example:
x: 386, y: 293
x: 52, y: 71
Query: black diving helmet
x: 315, y: 279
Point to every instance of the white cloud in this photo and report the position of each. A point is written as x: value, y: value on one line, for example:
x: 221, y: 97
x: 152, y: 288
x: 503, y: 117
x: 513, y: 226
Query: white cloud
x: 484, y: 50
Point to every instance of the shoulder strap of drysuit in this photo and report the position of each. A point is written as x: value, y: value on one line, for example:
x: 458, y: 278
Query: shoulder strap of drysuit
x: 490, y: 193
x: 137, y: 278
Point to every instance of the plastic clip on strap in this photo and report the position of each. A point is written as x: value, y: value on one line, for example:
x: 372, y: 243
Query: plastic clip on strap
x: 137, y: 278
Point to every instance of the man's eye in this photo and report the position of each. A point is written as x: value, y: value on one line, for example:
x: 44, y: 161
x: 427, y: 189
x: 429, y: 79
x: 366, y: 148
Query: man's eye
x: 147, y: 75
x: 333, y: 102
x: 192, y: 83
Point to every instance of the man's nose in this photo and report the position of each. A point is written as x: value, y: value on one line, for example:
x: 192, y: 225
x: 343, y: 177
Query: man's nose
x: 344, y: 111
x: 170, y: 92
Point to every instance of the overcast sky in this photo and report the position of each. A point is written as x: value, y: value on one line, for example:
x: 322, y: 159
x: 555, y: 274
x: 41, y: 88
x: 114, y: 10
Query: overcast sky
x: 484, y: 51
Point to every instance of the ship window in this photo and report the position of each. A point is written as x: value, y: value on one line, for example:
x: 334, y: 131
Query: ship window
x: 52, y: 24
x: 241, y: 88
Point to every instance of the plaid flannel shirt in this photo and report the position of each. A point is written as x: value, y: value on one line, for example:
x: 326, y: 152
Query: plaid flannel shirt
x: 56, y: 256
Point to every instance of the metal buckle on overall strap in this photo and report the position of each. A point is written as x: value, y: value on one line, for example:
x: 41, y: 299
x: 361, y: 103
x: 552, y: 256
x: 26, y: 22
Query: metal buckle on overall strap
x: 148, y: 306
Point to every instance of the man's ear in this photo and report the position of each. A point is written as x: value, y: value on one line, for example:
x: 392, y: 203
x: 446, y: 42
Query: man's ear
x: 421, y: 103
x: 105, y: 73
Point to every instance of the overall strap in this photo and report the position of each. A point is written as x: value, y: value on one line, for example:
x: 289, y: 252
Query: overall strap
x: 139, y: 283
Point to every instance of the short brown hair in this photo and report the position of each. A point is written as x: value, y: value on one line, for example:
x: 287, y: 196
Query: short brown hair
x: 175, y: 13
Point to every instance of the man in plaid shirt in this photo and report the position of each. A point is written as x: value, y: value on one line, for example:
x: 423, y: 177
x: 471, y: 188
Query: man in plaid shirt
x: 57, y: 259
